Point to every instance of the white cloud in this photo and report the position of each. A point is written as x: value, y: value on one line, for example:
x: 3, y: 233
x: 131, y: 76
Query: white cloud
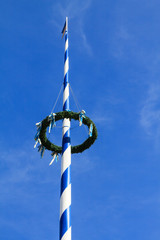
x: 84, y: 39
x: 104, y: 115
x: 83, y: 164
x: 73, y: 8
x: 29, y: 187
x: 150, y: 112
x: 76, y: 11
x: 23, y: 167
x: 121, y: 42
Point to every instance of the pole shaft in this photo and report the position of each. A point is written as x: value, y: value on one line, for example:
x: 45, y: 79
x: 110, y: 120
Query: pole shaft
x: 65, y: 194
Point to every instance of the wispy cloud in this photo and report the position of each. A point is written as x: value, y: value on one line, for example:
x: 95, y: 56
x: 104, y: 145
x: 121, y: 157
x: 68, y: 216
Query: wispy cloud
x: 73, y: 8
x: 76, y: 11
x: 150, y: 112
x: 81, y: 32
x: 81, y: 165
x: 103, y: 119
x: 27, y: 184
x: 21, y: 167
x: 105, y: 115
x: 120, y: 42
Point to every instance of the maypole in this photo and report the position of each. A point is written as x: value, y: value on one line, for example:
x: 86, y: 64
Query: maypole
x: 66, y: 150
x: 65, y: 193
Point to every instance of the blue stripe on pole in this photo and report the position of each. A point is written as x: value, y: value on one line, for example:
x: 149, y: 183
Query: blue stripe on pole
x: 66, y: 106
x: 65, y: 56
x: 66, y: 36
x: 67, y: 133
x: 66, y: 137
x: 66, y: 141
x: 65, y: 84
x: 65, y: 180
x: 65, y: 222
x: 66, y: 79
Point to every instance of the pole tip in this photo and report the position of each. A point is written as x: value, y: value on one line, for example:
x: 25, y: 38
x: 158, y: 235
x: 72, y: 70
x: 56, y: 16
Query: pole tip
x: 67, y: 23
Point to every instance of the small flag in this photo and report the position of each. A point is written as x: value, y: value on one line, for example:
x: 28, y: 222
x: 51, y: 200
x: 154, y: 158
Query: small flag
x: 65, y: 27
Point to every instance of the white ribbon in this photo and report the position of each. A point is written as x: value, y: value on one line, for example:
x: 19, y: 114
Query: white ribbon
x: 38, y: 141
x: 55, y: 157
x: 81, y: 116
x: 52, y: 121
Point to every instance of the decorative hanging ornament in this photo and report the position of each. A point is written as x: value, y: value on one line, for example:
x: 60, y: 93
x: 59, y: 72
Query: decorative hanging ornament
x: 52, y: 121
x: 81, y: 116
x: 55, y: 157
x: 42, y: 151
x: 40, y: 148
x: 39, y: 125
x: 90, y: 130
x: 38, y: 141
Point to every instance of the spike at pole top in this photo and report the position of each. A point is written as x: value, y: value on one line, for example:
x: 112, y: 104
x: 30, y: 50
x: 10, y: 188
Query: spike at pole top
x: 65, y: 28
x: 67, y: 24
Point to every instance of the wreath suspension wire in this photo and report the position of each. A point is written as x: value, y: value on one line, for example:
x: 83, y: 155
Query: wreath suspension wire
x: 57, y: 99
x: 77, y: 104
x: 75, y: 100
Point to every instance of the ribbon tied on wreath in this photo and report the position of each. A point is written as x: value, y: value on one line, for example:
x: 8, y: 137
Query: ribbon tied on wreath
x: 81, y: 116
x: 90, y: 130
x: 55, y: 157
x: 52, y: 121
x: 37, y: 139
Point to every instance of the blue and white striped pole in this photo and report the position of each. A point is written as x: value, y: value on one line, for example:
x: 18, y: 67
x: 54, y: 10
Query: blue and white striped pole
x: 65, y: 198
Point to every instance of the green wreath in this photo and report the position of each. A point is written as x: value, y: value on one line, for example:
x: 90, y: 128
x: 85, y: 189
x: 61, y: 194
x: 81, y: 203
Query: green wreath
x: 74, y: 149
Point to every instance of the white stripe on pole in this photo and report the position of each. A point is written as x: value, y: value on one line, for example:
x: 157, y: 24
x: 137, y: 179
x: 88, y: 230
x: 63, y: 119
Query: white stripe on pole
x: 65, y: 200
x: 66, y: 66
x: 67, y: 235
x: 67, y: 163
x: 66, y: 94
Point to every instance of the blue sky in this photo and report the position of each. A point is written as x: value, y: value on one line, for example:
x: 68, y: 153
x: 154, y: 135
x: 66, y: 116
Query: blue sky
x: 115, y: 75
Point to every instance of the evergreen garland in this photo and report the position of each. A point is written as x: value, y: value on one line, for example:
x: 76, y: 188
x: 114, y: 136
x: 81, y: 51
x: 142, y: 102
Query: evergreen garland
x: 74, y: 149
